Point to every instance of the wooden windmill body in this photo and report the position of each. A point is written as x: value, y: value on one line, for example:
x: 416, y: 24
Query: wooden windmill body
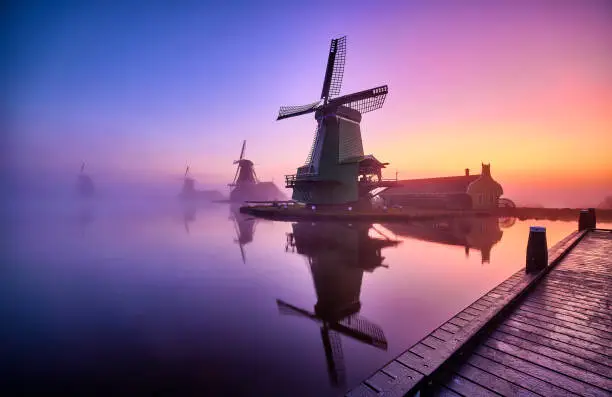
x: 336, y: 171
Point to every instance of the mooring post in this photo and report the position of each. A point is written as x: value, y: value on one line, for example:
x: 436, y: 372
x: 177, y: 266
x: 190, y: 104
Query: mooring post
x: 593, y: 218
x: 587, y: 220
x: 537, y: 250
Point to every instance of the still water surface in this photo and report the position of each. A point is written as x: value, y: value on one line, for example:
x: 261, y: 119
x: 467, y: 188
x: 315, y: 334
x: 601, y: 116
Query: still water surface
x: 162, y: 298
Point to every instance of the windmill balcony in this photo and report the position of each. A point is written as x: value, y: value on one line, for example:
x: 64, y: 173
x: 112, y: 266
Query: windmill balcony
x: 290, y: 180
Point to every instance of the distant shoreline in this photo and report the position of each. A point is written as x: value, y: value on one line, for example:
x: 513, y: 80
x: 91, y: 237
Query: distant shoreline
x: 414, y: 214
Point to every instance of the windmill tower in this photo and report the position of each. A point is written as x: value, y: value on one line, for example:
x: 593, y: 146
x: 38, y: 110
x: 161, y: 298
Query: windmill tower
x: 245, y: 178
x: 85, y: 186
x: 338, y: 256
x: 336, y: 170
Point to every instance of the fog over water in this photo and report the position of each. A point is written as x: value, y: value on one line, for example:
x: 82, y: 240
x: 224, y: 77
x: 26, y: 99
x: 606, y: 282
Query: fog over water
x: 147, y: 294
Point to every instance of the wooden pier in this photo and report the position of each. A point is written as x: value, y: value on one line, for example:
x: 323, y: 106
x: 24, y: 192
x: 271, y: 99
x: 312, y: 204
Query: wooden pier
x: 540, y: 334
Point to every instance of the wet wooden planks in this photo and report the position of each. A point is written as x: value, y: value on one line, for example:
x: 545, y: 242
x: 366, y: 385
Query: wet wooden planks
x: 557, y: 341
x: 422, y: 362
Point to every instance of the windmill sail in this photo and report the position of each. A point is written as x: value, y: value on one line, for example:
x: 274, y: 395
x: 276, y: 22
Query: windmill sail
x: 335, y: 68
x: 242, y: 151
x: 353, y: 326
x: 363, y: 101
x: 292, y: 111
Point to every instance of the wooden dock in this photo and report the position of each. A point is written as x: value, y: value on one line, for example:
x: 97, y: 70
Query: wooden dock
x: 544, y: 334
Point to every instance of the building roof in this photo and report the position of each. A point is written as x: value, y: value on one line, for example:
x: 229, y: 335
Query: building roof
x: 447, y: 184
x: 367, y: 160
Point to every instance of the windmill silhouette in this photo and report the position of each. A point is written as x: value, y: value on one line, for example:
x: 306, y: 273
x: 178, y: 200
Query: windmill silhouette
x: 189, y: 192
x: 336, y: 158
x: 338, y: 255
x: 245, y: 179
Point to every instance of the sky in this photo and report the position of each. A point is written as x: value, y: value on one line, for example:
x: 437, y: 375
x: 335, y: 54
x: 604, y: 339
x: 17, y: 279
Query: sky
x: 140, y: 89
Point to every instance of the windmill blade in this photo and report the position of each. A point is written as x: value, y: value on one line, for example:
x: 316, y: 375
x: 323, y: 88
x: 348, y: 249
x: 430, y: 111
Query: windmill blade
x: 363, y: 101
x: 186, y: 171
x: 363, y: 330
x: 353, y: 326
x: 236, y: 174
x: 242, y: 151
x: 292, y: 111
x: 242, y: 253
x: 82, y: 166
x: 238, y: 240
x: 334, y: 356
x: 288, y: 309
x: 335, y: 68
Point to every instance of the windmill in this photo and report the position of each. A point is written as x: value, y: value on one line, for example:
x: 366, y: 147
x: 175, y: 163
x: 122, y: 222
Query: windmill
x: 336, y: 158
x: 246, y: 186
x: 85, y: 187
x: 245, y: 173
x: 338, y: 256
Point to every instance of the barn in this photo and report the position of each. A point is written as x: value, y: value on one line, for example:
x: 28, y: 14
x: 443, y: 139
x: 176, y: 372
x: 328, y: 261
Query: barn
x: 466, y: 191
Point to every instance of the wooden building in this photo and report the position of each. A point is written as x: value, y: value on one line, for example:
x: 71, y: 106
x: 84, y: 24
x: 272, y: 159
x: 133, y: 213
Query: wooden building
x: 453, y: 192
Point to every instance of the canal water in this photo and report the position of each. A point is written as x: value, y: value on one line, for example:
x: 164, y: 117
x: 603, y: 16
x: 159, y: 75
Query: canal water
x: 166, y: 299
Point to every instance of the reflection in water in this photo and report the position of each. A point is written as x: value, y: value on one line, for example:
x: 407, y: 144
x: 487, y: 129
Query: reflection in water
x: 244, y: 225
x: 85, y: 217
x: 189, y: 214
x: 479, y: 233
x: 338, y: 255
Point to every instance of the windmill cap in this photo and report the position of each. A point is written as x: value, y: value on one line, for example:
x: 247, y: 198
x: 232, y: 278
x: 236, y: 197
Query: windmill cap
x: 539, y: 229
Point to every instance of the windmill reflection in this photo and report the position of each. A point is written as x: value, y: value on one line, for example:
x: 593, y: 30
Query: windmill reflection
x: 338, y: 255
x: 85, y: 218
x: 479, y: 233
x: 244, y: 226
x: 189, y: 214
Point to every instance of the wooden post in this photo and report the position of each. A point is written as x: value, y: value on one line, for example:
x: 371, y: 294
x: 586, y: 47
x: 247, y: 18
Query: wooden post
x: 593, y: 218
x: 537, y: 250
x: 587, y: 220
x: 583, y: 220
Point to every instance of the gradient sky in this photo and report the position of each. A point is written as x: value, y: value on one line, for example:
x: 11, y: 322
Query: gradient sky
x: 145, y: 88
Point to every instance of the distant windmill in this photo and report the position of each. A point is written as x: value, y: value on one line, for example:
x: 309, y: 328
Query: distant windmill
x: 336, y: 158
x: 245, y: 173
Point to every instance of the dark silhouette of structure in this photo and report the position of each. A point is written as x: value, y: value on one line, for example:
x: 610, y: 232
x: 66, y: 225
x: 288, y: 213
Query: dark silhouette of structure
x: 85, y: 186
x: 471, y: 233
x: 244, y: 225
x: 453, y: 192
x: 246, y: 186
x: 336, y: 172
x: 189, y: 192
x: 338, y: 255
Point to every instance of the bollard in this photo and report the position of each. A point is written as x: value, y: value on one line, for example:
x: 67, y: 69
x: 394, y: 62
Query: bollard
x: 537, y: 250
x: 592, y: 218
x: 587, y: 220
x: 583, y: 220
